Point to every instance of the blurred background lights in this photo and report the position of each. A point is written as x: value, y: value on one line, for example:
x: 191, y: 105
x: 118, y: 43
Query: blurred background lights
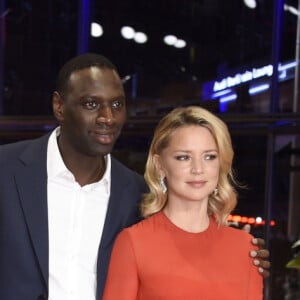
x: 259, y: 220
x: 170, y: 39
x: 127, y: 32
x: 96, y: 30
x: 250, y: 3
x: 140, y: 37
x: 293, y: 10
x: 180, y: 43
x: 126, y: 78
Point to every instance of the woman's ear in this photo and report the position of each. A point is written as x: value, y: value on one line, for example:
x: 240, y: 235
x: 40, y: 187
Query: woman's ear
x: 57, y: 106
x: 158, y: 166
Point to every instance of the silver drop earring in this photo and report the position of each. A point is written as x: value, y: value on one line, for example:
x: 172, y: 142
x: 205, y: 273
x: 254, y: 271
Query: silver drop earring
x: 163, y: 185
x: 216, y: 191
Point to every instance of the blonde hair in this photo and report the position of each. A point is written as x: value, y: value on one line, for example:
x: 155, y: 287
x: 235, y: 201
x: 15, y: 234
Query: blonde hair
x: 219, y: 205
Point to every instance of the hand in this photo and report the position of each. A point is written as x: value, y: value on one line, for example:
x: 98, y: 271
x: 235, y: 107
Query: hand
x: 261, y: 255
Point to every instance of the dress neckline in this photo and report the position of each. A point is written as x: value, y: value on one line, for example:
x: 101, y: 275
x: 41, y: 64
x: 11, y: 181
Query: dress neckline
x: 171, y: 226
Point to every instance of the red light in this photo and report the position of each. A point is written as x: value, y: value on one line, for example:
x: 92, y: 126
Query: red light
x: 244, y: 219
x: 251, y: 220
x: 236, y: 218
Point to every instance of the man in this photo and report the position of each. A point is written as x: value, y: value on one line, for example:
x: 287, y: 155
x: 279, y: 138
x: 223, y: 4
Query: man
x: 63, y: 197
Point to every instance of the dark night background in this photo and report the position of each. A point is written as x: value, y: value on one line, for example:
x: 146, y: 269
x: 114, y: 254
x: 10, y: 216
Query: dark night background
x: 222, y: 37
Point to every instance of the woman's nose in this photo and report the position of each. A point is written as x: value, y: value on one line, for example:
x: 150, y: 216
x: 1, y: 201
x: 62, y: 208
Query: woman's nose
x: 197, y: 167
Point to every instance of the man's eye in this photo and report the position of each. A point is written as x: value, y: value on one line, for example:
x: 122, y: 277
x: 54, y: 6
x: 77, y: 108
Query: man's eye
x: 90, y: 105
x: 117, y: 105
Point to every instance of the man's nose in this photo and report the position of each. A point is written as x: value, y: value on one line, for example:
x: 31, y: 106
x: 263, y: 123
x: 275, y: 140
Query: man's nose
x: 105, y: 115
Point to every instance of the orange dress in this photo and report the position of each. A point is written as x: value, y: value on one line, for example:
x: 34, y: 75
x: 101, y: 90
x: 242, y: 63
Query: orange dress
x: 155, y: 260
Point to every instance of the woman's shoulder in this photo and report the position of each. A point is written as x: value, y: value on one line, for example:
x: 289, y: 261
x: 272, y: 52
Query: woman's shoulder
x: 148, y: 225
x: 233, y: 234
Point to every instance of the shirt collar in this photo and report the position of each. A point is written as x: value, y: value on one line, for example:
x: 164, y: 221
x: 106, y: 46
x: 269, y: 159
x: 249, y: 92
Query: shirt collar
x: 56, y: 166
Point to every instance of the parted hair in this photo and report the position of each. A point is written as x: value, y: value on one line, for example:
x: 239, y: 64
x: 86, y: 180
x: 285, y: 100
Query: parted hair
x: 77, y: 63
x: 219, y: 205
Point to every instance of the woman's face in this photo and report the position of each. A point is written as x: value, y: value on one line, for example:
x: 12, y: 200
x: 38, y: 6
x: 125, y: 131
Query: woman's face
x: 190, y: 164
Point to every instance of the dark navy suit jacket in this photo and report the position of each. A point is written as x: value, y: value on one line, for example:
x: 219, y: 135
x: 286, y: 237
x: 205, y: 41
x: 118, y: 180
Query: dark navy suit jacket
x: 24, y: 218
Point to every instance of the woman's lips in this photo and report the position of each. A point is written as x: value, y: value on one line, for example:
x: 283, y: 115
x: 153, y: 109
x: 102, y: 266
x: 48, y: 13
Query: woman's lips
x: 197, y: 183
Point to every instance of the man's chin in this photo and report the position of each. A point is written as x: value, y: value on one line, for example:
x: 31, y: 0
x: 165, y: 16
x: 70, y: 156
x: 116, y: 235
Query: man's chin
x: 102, y: 150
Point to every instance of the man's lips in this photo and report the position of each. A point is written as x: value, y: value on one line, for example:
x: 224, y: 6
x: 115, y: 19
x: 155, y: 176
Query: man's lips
x: 103, y: 137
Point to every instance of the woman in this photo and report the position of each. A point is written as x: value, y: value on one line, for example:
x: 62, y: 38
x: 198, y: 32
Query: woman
x: 178, y: 251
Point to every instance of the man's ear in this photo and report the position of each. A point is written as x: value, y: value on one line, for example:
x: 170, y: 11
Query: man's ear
x: 57, y: 106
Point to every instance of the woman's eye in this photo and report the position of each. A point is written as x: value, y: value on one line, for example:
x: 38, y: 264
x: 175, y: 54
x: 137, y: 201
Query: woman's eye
x: 210, y: 157
x: 182, y: 157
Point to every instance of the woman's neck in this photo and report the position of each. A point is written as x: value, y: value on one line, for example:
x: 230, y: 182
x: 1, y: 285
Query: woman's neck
x: 191, y: 219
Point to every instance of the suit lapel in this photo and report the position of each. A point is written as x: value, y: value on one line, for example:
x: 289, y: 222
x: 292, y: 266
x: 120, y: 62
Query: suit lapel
x: 31, y: 181
x: 120, y: 205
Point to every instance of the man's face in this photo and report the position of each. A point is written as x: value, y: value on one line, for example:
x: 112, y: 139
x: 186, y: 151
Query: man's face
x: 93, y: 111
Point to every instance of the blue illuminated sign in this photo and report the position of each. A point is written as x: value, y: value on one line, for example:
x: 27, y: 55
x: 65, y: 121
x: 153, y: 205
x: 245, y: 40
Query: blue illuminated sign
x: 224, y: 88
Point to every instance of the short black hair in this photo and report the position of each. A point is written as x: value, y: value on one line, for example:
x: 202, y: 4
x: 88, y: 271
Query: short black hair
x: 80, y: 62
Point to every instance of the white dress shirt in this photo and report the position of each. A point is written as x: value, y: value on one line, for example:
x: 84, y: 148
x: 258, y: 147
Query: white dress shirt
x: 76, y: 217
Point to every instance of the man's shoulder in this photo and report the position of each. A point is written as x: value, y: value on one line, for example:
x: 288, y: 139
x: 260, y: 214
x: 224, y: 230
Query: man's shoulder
x: 121, y: 167
x: 14, y: 149
x: 124, y: 174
